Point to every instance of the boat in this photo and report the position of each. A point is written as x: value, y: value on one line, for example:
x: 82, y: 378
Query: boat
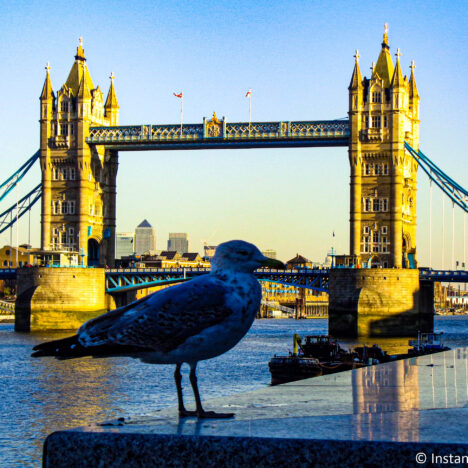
x: 426, y: 343
x: 290, y: 368
x: 317, y: 355
x: 322, y: 355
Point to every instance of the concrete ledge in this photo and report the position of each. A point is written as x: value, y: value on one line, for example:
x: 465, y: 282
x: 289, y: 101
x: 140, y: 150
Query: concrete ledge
x: 382, y: 415
x: 65, y: 449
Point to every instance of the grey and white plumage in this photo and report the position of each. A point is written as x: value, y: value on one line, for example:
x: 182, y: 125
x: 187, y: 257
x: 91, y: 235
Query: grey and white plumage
x: 187, y: 323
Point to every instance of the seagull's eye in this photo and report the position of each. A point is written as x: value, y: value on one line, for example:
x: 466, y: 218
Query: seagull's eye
x: 243, y: 252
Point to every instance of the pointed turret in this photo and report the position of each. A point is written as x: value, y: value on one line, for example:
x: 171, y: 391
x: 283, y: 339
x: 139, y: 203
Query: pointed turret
x: 111, y: 107
x: 413, y: 90
x: 77, y: 71
x: 356, y: 79
x: 47, y: 91
x: 111, y: 101
x: 83, y: 88
x: 397, y: 79
x: 384, y: 66
x: 80, y: 51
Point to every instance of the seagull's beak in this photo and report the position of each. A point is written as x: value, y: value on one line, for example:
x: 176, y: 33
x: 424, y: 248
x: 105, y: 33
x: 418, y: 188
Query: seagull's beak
x: 272, y: 263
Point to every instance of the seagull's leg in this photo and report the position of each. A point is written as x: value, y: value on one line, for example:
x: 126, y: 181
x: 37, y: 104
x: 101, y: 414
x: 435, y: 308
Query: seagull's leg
x: 201, y: 413
x: 178, y: 382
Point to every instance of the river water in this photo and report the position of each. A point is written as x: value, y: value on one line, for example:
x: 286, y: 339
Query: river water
x: 39, y: 396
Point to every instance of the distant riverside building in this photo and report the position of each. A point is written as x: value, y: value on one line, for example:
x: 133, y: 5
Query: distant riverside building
x: 145, y: 238
x: 165, y: 259
x: 269, y: 253
x: 299, y: 261
x: 209, y: 251
x: 8, y: 256
x: 178, y: 241
x: 124, y: 244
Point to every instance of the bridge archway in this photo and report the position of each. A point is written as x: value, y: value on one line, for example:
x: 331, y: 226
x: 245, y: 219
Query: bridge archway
x: 93, y: 252
x: 374, y: 262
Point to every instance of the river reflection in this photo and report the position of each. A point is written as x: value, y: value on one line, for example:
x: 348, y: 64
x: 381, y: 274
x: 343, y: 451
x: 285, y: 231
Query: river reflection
x: 386, y: 398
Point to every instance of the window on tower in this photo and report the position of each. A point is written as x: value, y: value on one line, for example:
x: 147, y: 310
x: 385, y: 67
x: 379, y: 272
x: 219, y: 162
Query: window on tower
x: 64, y: 129
x: 376, y: 121
x: 64, y: 106
x: 56, y: 207
x: 377, y: 97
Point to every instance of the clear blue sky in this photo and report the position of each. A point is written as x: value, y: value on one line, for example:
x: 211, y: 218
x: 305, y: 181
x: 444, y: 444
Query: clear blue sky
x: 296, y: 56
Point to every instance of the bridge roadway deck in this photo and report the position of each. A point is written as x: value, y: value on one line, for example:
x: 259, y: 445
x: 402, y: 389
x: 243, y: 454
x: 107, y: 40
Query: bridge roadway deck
x: 121, y: 280
x: 126, y: 279
x: 382, y: 415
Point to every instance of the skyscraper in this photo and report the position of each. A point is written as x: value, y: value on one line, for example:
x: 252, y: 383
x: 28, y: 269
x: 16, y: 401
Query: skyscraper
x: 270, y: 253
x: 124, y: 244
x: 178, y: 241
x: 145, y: 238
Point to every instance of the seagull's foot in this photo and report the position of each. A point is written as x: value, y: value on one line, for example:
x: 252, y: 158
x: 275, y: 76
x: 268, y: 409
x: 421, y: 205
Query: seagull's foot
x: 186, y: 413
x: 214, y: 415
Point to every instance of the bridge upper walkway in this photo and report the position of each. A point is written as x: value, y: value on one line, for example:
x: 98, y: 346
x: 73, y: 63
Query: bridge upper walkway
x: 222, y: 134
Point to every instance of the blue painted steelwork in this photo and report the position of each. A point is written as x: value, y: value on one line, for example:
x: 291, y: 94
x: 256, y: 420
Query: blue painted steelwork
x: 121, y: 280
x: 11, y: 182
x: 7, y: 273
x: 222, y: 135
x: 126, y: 283
x: 24, y: 205
x: 451, y: 188
x: 445, y: 276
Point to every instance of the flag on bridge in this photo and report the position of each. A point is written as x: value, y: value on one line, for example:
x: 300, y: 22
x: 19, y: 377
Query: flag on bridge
x: 180, y: 95
x: 249, y: 93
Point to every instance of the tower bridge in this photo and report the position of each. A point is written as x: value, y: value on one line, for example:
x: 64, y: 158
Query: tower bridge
x: 80, y: 142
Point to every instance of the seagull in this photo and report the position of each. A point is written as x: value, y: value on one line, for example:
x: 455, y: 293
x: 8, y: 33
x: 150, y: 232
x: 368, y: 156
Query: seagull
x: 187, y: 323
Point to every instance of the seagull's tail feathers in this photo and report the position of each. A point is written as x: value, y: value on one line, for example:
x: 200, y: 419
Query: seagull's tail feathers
x: 65, y: 348
x: 68, y: 348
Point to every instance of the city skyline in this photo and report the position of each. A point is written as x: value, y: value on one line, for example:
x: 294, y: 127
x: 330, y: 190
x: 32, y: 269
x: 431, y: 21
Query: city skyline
x: 287, y: 200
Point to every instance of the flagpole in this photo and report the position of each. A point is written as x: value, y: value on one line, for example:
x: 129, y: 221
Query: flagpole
x: 249, y: 95
x: 250, y: 109
x: 181, y: 113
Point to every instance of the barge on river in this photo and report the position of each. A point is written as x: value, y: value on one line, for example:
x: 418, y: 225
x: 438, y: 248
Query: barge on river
x: 321, y: 355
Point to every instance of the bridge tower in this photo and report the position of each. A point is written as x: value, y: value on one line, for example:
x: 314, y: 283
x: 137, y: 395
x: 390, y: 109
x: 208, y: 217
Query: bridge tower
x: 78, y: 182
x: 384, y: 113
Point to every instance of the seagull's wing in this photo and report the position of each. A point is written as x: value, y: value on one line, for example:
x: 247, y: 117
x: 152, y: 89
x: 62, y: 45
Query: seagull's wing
x: 162, y: 320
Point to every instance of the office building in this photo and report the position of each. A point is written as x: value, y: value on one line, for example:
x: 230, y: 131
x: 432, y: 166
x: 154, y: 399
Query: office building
x: 269, y: 253
x: 178, y: 241
x: 145, y: 238
x: 124, y: 244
